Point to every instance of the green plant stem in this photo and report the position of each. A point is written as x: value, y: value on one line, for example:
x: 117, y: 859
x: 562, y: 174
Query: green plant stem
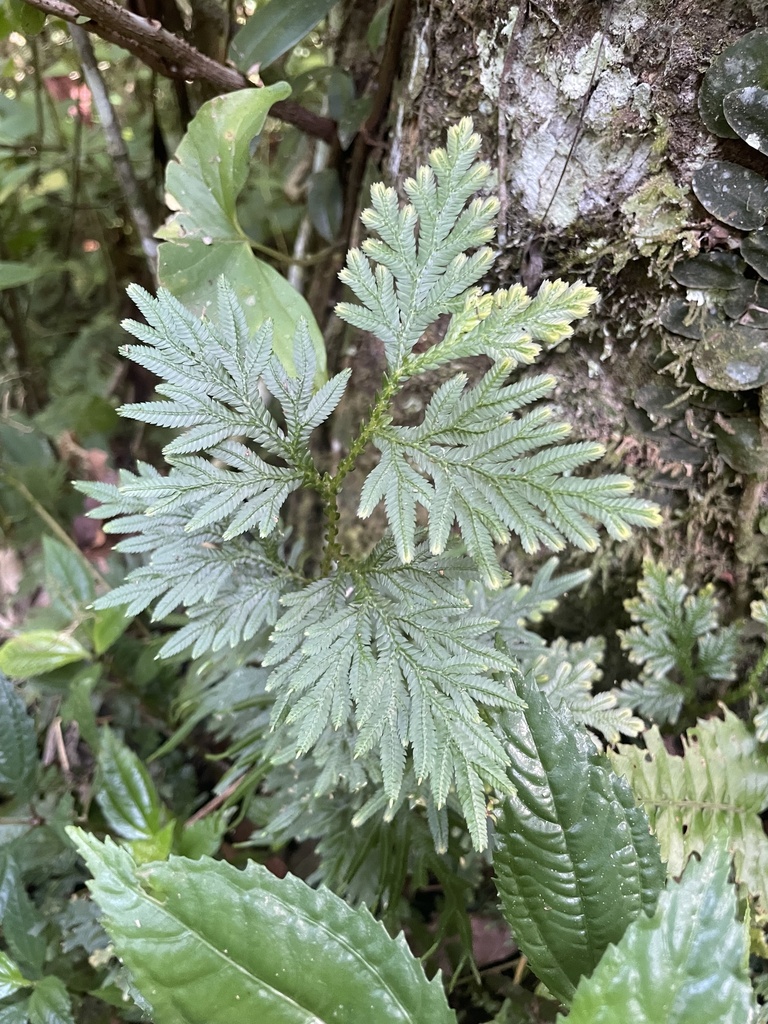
x: 331, y: 483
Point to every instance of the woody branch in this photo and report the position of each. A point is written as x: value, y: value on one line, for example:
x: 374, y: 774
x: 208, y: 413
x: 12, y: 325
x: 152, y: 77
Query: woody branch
x: 172, y: 56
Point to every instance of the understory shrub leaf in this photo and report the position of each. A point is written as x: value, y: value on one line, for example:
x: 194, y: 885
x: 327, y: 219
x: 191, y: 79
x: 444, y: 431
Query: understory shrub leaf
x: 204, y: 239
x: 719, y: 787
x: 126, y: 793
x: 278, y: 950
x: 38, y: 651
x: 685, y: 965
x: 18, y: 746
x: 50, y: 1002
x: 574, y: 858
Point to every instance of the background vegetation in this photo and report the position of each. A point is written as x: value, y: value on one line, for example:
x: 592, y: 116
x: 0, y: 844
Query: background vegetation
x: 622, y: 155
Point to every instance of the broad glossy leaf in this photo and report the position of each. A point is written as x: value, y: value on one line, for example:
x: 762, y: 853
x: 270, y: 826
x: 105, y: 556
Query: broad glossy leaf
x: 731, y: 357
x: 39, y: 651
x: 678, y: 316
x: 575, y: 861
x: 67, y: 577
x: 273, y: 29
x: 719, y: 270
x: 746, y: 111
x: 126, y: 794
x: 279, y: 951
x: 754, y: 249
x: 18, y: 746
x: 11, y: 978
x: 732, y: 193
x: 685, y: 965
x: 749, y: 304
x: 742, y: 64
x: 205, y: 240
x: 50, y: 1003
x: 720, y: 787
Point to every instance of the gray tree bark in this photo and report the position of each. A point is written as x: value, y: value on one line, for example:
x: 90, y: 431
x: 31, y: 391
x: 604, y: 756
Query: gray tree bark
x: 588, y: 112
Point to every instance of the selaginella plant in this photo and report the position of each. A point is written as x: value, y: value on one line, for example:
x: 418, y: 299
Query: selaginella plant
x: 383, y: 654
x: 403, y: 683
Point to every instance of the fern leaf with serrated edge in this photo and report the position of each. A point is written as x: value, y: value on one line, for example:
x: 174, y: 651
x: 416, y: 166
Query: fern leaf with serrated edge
x: 678, y: 642
x: 484, y: 469
x: 719, y: 787
x: 566, y: 673
x: 473, y: 460
x: 427, y: 668
x: 574, y: 858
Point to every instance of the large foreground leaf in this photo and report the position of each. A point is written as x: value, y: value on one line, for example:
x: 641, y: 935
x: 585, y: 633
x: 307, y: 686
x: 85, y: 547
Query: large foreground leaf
x: 685, y: 965
x: 575, y: 861
x: 208, y: 944
x: 720, y: 787
x: 205, y: 240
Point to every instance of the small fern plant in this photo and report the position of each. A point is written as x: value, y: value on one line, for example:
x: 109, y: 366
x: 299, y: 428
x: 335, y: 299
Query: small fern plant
x: 386, y: 663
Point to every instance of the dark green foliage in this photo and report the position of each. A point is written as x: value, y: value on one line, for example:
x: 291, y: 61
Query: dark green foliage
x: 575, y: 863
x: 679, y: 643
x: 685, y: 964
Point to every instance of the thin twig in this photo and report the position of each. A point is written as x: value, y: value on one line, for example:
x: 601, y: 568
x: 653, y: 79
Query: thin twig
x: 174, y: 57
x: 116, y: 147
x: 213, y: 804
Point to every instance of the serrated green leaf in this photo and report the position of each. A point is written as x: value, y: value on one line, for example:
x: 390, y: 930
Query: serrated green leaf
x: 719, y: 787
x: 273, y: 29
x: 678, y: 640
x: 685, y: 965
x: 204, y: 240
x: 126, y: 793
x: 279, y: 950
x: 50, y: 1003
x: 67, y: 577
x: 11, y: 978
x: 22, y: 924
x: 39, y: 651
x: 18, y: 745
x: 15, y: 1013
x: 395, y: 650
x: 574, y: 858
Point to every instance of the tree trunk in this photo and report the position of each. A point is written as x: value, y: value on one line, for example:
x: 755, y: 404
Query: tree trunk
x: 588, y: 112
